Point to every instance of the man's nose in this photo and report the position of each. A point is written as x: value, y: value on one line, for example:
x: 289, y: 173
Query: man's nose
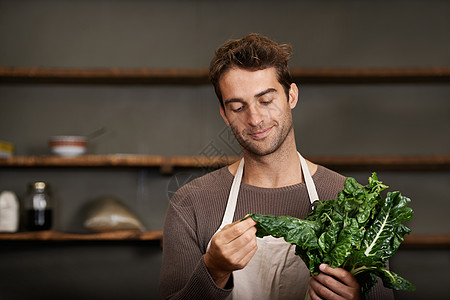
x: 255, y: 115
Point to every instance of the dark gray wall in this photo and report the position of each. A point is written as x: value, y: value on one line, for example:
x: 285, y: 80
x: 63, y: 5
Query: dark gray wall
x: 184, y: 120
x: 176, y: 33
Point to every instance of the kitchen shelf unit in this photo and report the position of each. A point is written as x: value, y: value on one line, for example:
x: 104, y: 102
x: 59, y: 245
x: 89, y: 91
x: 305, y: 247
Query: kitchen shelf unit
x: 148, y: 76
x: 200, y: 76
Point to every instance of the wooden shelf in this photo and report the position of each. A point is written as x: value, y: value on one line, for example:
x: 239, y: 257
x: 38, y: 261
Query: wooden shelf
x: 125, y: 235
x: 167, y: 163
x: 431, y: 241
x: 114, y: 160
x: 385, y: 162
x: 200, y: 76
x: 371, y: 75
x: 426, y: 241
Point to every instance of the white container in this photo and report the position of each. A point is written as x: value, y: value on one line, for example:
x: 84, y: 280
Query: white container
x: 68, y: 145
x: 9, y: 212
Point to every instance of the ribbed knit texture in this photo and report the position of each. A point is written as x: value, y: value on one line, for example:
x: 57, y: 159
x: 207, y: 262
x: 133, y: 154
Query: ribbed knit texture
x: 195, y: 213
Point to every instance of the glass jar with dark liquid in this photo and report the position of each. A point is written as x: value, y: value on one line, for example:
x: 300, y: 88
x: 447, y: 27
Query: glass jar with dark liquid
x: 38, y: 207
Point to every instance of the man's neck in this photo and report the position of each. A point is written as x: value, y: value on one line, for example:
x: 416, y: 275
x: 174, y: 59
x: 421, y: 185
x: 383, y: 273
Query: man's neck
x: 279, y: 169
x: 273, y: 171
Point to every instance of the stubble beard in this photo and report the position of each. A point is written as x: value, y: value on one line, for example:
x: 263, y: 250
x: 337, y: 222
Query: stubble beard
x: 259, y: 148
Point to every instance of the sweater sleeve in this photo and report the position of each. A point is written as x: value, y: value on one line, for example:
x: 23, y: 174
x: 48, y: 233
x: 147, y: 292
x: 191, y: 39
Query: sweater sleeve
x: 183, y: 272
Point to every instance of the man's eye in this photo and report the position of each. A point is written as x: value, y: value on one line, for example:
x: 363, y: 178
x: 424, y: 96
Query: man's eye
x: 266, y: 102
x: 237, y: 108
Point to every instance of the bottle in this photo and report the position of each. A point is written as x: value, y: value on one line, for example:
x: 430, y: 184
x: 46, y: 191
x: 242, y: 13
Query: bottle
x: 9, y: 212
x: 38, y: 207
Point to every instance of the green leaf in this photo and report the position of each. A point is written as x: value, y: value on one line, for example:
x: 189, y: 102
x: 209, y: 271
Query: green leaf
x: 367, y: 280
x: 394, y: 281
x: 328, y: 238
x: 386, y: 233
x: 295, y: 231
x: 349, y: 238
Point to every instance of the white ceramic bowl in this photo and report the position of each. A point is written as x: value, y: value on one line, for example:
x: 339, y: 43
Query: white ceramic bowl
x: 68, y: 145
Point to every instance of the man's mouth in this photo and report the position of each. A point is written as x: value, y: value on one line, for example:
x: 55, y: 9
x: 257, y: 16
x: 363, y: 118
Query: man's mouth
x: 260, y: 134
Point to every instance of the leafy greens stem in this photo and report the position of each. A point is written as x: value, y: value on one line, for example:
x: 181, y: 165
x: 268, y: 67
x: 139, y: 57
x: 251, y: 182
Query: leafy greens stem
x: 367, y: 252
x: 361, y: 269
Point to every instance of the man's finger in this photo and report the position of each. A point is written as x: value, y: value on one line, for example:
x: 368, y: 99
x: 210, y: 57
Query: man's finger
x: 317, y: 290
x: 340, y: 274
x: 236, y: 229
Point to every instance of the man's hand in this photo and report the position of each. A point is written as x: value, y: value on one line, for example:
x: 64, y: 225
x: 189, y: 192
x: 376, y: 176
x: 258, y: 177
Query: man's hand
x: 231, y: 249
x: 334, y: 283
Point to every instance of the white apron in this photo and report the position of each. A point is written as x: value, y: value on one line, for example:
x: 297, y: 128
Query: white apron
x: 274, y: 272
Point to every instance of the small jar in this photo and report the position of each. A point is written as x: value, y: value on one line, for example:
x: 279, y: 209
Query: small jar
x: 38, y: 207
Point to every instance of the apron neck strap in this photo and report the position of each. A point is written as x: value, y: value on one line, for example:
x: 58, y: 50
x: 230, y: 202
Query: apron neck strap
x: 310, y: 186
x: 232, y: 197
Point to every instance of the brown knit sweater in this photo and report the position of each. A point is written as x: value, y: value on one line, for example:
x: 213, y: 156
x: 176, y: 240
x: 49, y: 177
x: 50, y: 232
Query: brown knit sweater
x: 195, y: 213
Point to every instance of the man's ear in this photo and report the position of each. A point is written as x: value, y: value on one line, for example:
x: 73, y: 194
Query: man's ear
x: 224, y: 116
x: 293, y: 95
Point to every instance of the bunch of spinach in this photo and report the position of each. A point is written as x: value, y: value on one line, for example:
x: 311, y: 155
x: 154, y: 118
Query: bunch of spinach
x: 359, y: 232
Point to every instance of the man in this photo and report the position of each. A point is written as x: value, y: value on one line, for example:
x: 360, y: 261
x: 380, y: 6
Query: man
x: 208, y: 252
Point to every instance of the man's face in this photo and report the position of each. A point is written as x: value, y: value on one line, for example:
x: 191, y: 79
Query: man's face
x: 256, y: 109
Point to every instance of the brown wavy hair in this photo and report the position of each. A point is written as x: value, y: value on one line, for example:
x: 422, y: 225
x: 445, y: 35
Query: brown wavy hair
x: 252, y: 52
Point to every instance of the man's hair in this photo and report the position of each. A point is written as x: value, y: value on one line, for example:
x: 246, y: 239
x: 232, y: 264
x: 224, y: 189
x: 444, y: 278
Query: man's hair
x: 252, y: 52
